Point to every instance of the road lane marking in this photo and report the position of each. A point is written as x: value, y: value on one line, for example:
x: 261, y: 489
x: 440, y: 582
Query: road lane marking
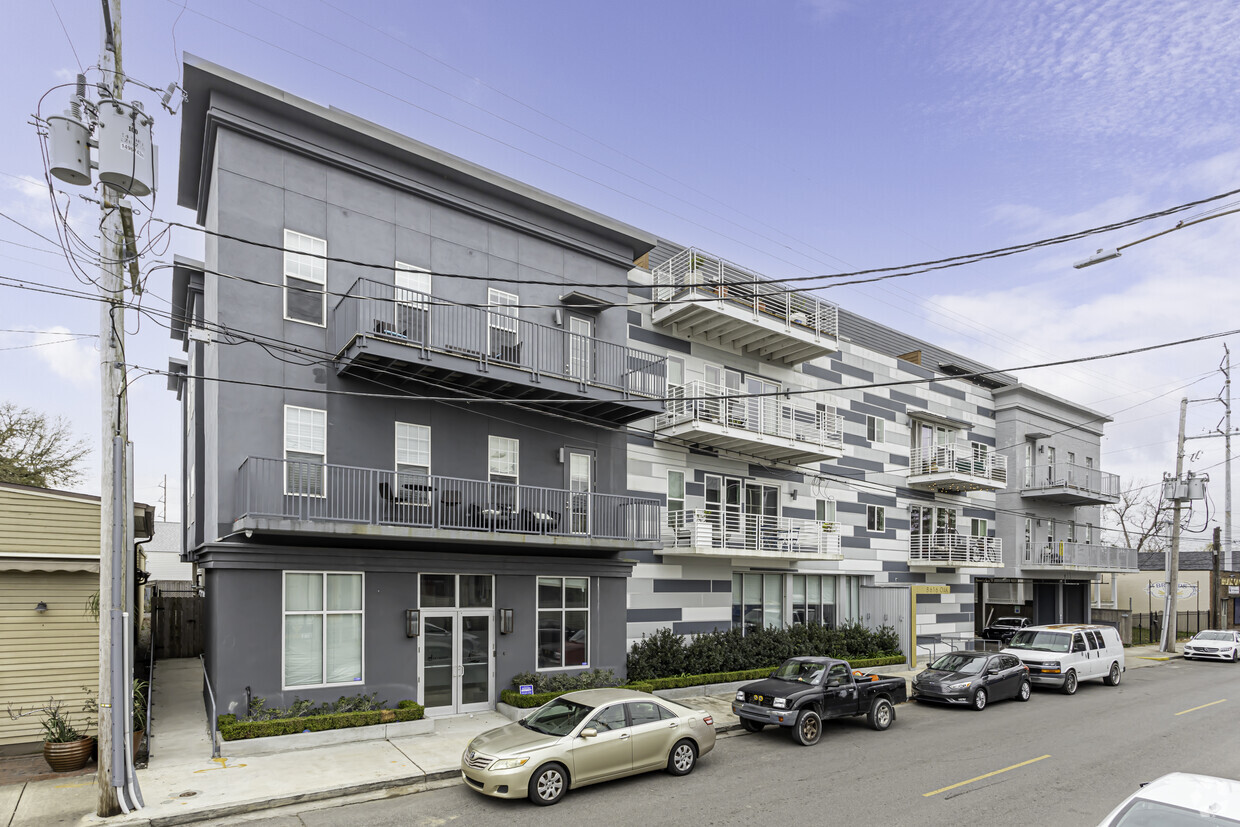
x: 1203, y: 706
x: 987, y: 775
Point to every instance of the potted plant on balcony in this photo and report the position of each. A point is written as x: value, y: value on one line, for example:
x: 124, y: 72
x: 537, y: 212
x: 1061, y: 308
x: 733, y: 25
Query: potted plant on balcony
x: 65, y: 748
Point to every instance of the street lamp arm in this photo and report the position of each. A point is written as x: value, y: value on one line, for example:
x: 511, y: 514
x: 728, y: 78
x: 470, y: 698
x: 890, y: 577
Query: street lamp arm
x: 1114, y: 252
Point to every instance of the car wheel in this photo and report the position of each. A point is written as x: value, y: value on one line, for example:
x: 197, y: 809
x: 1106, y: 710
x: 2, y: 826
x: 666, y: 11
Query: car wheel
x: 881, y: 714
x: 1112, y: 678
x: 1069, y: 683
x: 1025, y: 691
x: 683, y: 758
x: 808, y: 728
x: 752, y: 726
x: 979, y: 699
x: 548, y: 785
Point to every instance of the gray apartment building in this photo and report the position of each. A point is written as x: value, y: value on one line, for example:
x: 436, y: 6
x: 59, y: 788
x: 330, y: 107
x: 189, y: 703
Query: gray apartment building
x: 442, y: 428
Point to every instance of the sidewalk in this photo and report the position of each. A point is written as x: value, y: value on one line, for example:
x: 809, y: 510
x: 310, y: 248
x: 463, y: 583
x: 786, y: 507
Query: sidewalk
x: 183, y: 784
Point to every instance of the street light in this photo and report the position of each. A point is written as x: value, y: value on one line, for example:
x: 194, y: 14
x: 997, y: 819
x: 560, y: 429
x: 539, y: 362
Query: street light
x: 1100, y: 256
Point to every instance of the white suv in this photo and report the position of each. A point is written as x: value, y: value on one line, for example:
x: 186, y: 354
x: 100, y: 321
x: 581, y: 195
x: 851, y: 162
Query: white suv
x: 1063, y: 655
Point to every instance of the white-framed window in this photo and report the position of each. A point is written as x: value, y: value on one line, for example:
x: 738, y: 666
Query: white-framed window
x: 824, y: 511
x: 305, y: 279
x: 757, y: 601
x: 503, y: 340
x: 875, y: 518
x: 675, y: 371
x: 305, y: 451
x: 413, y: 462
x: 322, y: 636
x: 504, y: 468
x: 1089, y: 533
x: 813, y: 600
x: 563, y: 622
x: 1071, y: 532
x: 412, y: 306
x: 875, y: 428
x: 978, y: 528
x: 675, y: 497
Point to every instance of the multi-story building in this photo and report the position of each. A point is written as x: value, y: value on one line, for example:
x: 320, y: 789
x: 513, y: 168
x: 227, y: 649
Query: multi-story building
x: 404, y: 396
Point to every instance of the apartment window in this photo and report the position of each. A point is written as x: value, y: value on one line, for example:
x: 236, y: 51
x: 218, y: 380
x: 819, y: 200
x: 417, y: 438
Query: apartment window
x: 875, y: 518
x: 1071, y: 532
x: 563, y: 622
x: 322, y: 629
x: 813, y: 600
x: 824, y: 511
x: 675, y: 371
x: 504, y: 463
x: 413, y: 462
x: 978, y: 528
x: 503, y: 341
x: 757, y: 601
x: 675, y: 498
x: 1089, y: 533
x: 874, y: 428
x: 412, y: 306
x: 305, y: 278
x: 305, y: 451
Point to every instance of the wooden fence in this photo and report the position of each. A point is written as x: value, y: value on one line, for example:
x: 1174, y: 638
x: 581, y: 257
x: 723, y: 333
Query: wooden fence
x: 177, y: 620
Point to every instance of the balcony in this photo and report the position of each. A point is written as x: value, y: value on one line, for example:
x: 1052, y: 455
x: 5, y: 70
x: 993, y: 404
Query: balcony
x: 1069, y: 484
x: 714, y: 301
x: 955, y: 550
x: 396, y: 334
x: 766, y: 427
x: 1067, y: 556
x: 714, y: 534
x: 957, y: 468
x: 306, y: 498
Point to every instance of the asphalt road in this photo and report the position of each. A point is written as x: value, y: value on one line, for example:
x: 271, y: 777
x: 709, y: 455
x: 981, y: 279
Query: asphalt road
x: 1056, y: 760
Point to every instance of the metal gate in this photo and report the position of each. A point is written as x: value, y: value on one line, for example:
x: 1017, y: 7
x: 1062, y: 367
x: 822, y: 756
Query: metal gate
x: 177, y: 620
x: 888, y: 606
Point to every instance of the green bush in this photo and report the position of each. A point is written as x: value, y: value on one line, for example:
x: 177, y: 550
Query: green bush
x: 560, y: 682
x: 233, y: 730
x: 665, y: 654
x: 301, y: 708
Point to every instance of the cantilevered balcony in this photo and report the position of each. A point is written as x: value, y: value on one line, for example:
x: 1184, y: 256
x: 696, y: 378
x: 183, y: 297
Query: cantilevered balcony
x: 958, y: 468
x: 949, y: 549
x: 710, y: 300
x: 767, y: 427
x: 1065, y: 556
x: 715, y: 534
x: 394, y: 334
x: 1070, y: 484
x: 311, y: 499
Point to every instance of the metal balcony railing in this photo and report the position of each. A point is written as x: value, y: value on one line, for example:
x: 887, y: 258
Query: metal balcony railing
x: 963, y: 459
x: 769, y: 416
x: 493, y: 337
x: 1069, y: 475
x: 751, y: 533
x: 307, y: 491
x: 692, y: 271
x: 952, y: 549
x: 1064, y: 554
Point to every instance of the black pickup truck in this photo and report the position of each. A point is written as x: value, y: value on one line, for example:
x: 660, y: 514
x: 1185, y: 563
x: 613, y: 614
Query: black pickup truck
x: 803, y: 692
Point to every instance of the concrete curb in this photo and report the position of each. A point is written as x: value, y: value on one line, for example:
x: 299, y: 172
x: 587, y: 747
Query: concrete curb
x: 311, y: 740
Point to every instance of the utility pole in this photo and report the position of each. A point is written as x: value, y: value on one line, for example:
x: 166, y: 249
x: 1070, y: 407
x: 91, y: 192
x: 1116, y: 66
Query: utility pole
x: 1216, y: 590
x: 1173, y: 557
x: 1227, y: 456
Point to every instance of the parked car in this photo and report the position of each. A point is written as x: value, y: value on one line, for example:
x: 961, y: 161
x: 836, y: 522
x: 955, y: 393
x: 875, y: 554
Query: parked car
x: 1065, y: 654
x: 1179, y: 799
x: 1004, y: 628
x: 805, y: 691
x: 1213, y: 645
x: 973, y: 678
x: 583, y: 738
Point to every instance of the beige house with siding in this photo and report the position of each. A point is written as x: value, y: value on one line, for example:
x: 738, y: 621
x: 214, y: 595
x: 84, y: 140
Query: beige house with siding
x: 49, y: 638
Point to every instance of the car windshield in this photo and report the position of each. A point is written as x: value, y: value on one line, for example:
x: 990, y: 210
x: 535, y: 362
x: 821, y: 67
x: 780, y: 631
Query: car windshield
x: 1008, y: 621
x: 1144, y: 813
x: 1043, y: 640
x: 559, y: 717
x: 960, y: 662
x: 799, y: 670
x: 1213, y: 636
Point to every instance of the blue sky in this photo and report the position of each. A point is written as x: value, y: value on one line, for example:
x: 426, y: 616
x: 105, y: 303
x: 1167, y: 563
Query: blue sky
x: 795, y: 138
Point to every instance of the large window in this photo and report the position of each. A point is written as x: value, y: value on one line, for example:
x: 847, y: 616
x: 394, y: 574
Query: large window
x: 305, y: 278
x: 563, y: 622
x: 413, y: 462
x: 322, y: 629
x: 503, y: 467
x: 757, y: 601
x: 813, y: 599
x: 305, y: 450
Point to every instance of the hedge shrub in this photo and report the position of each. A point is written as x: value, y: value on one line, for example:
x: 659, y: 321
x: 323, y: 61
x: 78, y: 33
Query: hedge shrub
x: 665, y: 654
x: 559, y: 682
x: 233, y: 730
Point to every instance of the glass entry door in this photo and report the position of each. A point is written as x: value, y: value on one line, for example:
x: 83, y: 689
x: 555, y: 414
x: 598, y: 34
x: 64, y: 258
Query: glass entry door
x: 456, y: 662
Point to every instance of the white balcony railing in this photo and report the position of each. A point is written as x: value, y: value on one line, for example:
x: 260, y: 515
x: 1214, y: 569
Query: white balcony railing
x: 1087, y: 481
x: 692, y: 271
x: 767, y: 416
x: 962, y: 460
x: 752, y: 533
x: 1067, y: 555
x: 952, y: 549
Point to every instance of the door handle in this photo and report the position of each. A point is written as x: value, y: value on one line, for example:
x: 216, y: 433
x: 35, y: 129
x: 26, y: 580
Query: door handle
x: 624, y: 737
x: 673, y: 724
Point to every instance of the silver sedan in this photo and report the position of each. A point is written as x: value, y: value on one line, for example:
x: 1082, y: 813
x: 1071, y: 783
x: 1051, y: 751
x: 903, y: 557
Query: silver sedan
x: 583, y: 738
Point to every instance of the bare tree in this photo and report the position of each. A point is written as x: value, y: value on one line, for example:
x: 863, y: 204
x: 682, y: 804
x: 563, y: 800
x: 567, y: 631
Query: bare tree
x: 1142, y: 516
x: 35, y: 450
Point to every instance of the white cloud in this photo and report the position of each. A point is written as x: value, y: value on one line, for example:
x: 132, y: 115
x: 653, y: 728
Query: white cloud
x: 74, y: 360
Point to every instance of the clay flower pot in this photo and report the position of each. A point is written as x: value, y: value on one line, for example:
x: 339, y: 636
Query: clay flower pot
x: 69, y: 755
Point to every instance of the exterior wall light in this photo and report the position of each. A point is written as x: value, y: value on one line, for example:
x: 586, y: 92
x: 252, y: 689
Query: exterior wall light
x: 412, y: 623
x: 505, y: 621
x: 41, y: 607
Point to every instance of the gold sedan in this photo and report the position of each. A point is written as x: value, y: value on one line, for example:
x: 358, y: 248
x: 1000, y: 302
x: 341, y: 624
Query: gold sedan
x: 583, y: 738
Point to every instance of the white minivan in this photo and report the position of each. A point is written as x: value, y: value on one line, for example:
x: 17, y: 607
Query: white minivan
x: 1065, y: 654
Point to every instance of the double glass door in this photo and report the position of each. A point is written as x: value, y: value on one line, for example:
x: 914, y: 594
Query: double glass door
x: 456, y: 648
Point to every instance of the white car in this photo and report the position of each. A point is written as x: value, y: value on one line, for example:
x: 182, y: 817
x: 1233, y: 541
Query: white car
x: 1215, y: 645
x: 1180, y: 799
